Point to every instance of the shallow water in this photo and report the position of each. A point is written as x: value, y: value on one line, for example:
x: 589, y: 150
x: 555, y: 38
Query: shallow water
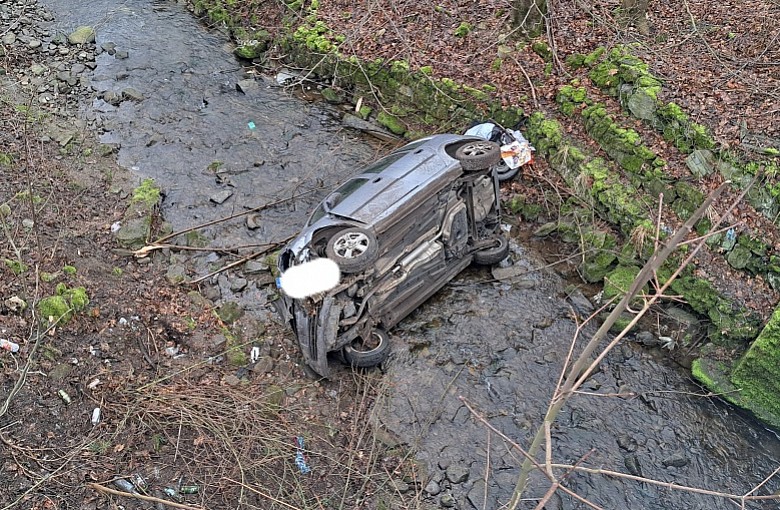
x: 499, y: 346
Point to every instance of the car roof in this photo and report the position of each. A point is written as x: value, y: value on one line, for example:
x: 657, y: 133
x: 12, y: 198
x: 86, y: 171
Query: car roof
x: 424, y: 164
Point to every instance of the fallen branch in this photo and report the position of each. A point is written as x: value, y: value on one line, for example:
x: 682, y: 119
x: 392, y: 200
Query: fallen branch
x: 249, y: 257
x: 108, y: 490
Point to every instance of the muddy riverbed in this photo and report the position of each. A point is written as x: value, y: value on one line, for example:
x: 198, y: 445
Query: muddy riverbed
x: 217, y: 150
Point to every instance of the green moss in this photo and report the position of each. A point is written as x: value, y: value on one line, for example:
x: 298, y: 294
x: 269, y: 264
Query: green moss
x: 594, y: 56
x: 757, y: 374
x: 54, y: 308
x: 545, y: 135
x: 17, y: 267
x: 69, y: 270
x: 618, y: 281
x: 78, y: 298
x: 426, y: 70
x: 147, y: 193
x: 575, y: 60
x: 463, y: 29
x: 6, y: 159
x: 394, y: 124
x: 543, y: 50
x: 234, y: 353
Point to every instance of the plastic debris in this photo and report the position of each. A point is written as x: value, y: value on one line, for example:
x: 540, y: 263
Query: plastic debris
x: 139, y: 482
x: 8, y: 345
x: 116, y: 226
x: 64, y: 396
x: 93, y: 384
x: 251, y: 125
x: 173, y: 493
x: 95, y: 416
x: 254, y: 354
x: 300, y: 458
x: 189, y: 489
x: 124, y: 485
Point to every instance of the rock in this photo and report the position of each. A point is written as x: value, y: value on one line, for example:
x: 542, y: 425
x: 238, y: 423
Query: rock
x: 632, y: 464
x: 247, y: 86
x: 332, y: 96
x: 38, y: 69
x: 61, y: 371
x: 263, y: 366
x: 627, y: 443
x: 238, y: 284
x: 9, y: 38
x: 111, y: 97
x: 176, y: 274
x: 447, y: 501
x: 701, y: 162
x: 132, y: 94
x: 647, y: 338
x: 457, y: 473
x: 354, y: 122
x: 78, y: 68
x: 34, y: 43
x: 221, y: 196
x: 254, y: 267
x: 16, y: 304
x: 231, y: 380
x: 230, y: 312
x: 133, y: 232
x: 253, y: 221
x: 82, y: 35
x: 432, y: 488
x: 677, y: 459
x: 642, y: 105
x: 739, y: 257
x: 251, y: 49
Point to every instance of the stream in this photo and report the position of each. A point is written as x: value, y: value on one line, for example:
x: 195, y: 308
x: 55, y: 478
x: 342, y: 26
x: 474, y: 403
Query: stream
x: 216, y: 150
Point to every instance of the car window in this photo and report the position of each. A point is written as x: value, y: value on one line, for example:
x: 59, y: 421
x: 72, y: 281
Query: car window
x: 337, y: 196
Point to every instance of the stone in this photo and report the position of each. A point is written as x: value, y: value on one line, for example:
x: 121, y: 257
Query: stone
x: 332, y: 96
x: 78, y: 68
x: 251, y: 50
x: 447, y: 501
x: 677, y: 459
x: 221, y: 196
x: 82, y: 35
x: 231, y: 380
x: 121, y: 54
x: 457, y: 473
x: 230, y: 312
x: 34, y: 43
x: 238, y: 284
x: 631, y: 462
x: 132, y: 94
x: 247, y: 86
x: 61, y: 371
x: 701, y: 162
x: 176, y: 274
x: 739, y: 257
x: 642, y: 105
x: 38, y: 69
x: 9, y: 38
x: 432, y: 488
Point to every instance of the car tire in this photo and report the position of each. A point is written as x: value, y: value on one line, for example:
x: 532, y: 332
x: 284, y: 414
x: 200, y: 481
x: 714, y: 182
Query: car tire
x: 493, y: 255
x: 359, y: 355
x: 478, y: 155
x: 503, y: 172
x: 354, y: 249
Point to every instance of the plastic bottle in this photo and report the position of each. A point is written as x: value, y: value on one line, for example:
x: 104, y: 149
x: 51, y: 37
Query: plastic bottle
x: 8, y: 345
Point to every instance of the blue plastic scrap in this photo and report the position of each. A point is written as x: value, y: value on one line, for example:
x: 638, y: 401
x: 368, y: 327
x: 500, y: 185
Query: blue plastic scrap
x: 300, y: 458
x: 251, y: 125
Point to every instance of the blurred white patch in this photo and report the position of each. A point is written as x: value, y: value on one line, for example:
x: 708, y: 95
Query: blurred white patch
x: 309, y: 278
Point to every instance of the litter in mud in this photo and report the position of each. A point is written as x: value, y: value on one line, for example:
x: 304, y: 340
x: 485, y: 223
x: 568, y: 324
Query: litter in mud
x: 300, y: 458
x: 8, y: 345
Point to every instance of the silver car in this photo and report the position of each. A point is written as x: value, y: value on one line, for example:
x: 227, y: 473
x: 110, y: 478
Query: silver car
x: 399, y: 230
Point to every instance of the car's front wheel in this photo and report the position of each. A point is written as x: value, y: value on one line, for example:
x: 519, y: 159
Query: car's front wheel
x: 354, y: 249
x: 478, y: 155
x: 495, y: 254
x: 368, y: 353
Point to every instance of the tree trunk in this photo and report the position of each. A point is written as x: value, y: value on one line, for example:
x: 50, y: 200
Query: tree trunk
x: 636, y: 14
x: 529, y: 16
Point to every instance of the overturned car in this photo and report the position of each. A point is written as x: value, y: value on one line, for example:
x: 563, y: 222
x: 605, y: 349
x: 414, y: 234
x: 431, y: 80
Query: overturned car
x: 399, y: 230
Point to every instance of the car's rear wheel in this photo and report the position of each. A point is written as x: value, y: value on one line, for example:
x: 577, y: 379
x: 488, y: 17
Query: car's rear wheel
x: 493, y: 255
x: 368, y: 353
x: 478, y: 155
x: 503, y: 172
x: 354, y: 249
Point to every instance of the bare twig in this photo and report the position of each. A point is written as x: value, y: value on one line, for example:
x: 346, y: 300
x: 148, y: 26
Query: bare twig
x: 108, y: 490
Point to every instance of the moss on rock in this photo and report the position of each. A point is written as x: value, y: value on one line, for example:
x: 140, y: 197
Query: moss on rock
x: 757, y: 374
